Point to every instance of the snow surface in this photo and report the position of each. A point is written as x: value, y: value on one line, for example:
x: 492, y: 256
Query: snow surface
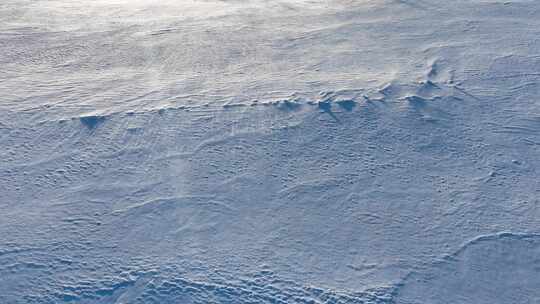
x: 374, y: 151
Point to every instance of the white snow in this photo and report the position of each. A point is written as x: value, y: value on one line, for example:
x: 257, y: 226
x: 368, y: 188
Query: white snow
x: 269, y: 151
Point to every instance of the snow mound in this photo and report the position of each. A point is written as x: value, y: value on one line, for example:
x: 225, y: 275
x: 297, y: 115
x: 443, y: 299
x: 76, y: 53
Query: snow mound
x: 490, y: 269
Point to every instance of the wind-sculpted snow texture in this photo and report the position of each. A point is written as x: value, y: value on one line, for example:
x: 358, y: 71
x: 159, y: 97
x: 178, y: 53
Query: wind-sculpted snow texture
x: 269, y: 151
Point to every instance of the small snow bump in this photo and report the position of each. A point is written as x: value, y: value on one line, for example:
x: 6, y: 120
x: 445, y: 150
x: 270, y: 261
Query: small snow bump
x: 347, y: 104
x: 92, y: 121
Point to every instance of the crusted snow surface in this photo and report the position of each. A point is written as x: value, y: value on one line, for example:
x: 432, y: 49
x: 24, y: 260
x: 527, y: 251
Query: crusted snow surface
x: 269, y: 151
